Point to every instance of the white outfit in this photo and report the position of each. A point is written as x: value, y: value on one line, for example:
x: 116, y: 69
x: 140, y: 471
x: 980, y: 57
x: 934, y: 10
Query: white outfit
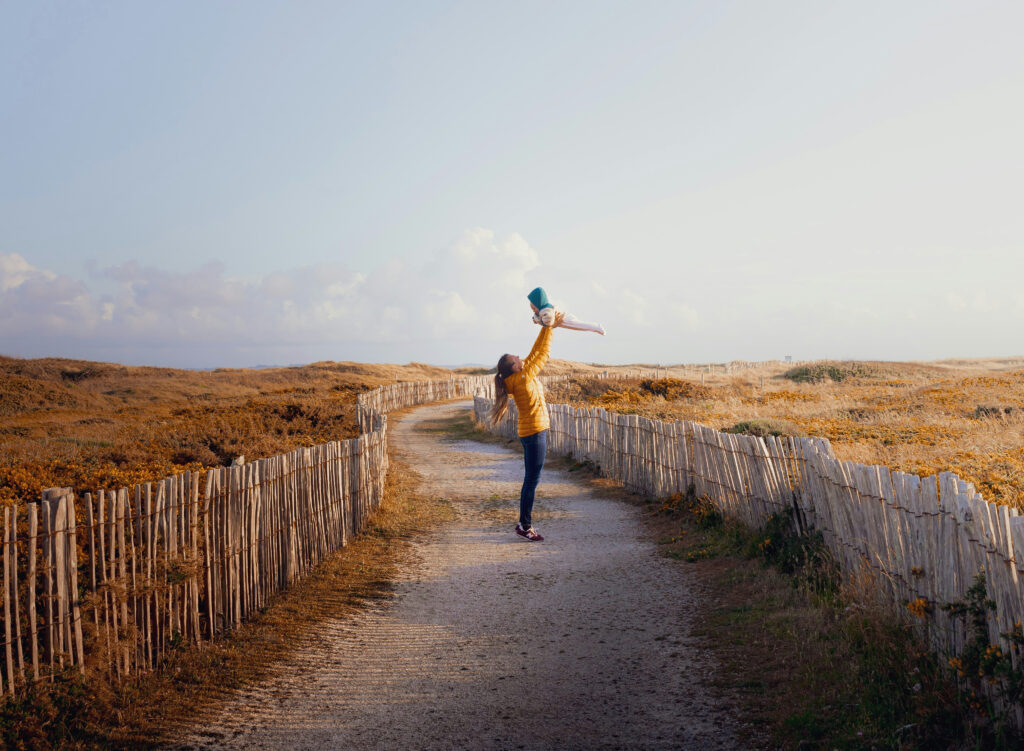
x: 572, y: 322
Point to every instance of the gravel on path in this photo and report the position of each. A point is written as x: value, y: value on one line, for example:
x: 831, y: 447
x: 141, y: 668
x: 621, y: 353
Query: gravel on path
x: 493, y: 642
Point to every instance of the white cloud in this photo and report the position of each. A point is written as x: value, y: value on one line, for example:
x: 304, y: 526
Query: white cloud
x: 466, y: 302
x: 633, y: 307
x: 955, y: 301
x: 38, y: 301
x: 684, y: 315
x: 15, y: 271
x: 466, y: 291
x: 985, y: 304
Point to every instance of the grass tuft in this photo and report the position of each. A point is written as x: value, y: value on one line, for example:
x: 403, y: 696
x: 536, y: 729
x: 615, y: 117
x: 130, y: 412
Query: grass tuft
x: 766, y: 426
x: 828, y: 371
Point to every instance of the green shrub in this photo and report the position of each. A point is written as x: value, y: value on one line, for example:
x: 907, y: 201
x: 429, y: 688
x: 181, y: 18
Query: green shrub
x: 982, y: 411
x: 765, y: 426
x: 803, y: 556
x: 822, y: 371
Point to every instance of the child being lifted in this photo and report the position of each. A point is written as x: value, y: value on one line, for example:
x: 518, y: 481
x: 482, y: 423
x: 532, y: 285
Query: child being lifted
x: 544, y: 314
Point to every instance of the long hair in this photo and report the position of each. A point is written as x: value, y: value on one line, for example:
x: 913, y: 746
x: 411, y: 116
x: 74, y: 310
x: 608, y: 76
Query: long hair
x: 505, y: 364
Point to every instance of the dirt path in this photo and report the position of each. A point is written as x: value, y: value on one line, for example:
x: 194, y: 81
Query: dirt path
x: 492, y: 642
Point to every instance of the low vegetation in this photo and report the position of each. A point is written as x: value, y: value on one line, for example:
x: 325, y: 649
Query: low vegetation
x: 828, y: 371
x: 765, y: 426
x: 819, y: 661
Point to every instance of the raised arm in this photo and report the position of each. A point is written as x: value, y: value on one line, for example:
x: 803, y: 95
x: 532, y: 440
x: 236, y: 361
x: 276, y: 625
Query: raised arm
x: 538, y: 357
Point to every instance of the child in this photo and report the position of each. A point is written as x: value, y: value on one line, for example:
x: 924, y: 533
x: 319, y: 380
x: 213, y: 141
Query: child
x: 544, y: 314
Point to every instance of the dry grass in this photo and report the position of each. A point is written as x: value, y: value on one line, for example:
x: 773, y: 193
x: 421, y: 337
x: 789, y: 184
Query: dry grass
x: 90, y: 425
x: 819, y: 674
x: 914, y: 417
x: 814, y: 662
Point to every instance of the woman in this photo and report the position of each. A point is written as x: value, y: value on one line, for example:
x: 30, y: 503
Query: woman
x: 519, y: 378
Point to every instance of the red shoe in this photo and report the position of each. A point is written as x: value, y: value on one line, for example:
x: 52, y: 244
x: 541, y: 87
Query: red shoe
x: 530, y: 534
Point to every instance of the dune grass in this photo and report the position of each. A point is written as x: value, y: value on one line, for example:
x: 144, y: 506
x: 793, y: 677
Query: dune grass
x: 920, y: 418
x: 88, y: 426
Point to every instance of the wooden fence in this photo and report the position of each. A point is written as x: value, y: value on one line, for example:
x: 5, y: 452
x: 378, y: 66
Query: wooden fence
x: 925, y: 538
x: 114, y: 581
x: 111, y: 581
x: 401, y: 395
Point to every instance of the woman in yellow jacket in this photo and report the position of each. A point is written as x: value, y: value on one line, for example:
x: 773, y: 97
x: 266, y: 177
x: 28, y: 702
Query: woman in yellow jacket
x: 518, y: 378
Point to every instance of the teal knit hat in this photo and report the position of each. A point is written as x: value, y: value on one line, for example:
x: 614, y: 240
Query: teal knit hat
x: 539, y: 298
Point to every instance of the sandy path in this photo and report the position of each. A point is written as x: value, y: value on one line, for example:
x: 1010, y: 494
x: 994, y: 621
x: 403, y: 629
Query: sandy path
x: 492, y: 642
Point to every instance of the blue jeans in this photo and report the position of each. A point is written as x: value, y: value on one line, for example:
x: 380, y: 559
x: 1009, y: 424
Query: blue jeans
x: 534, y: 448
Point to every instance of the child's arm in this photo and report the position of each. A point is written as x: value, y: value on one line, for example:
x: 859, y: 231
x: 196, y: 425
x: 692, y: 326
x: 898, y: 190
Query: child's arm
x: 538, y: 357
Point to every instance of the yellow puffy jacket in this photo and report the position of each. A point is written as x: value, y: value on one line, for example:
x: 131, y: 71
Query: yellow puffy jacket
x: 526, y: 390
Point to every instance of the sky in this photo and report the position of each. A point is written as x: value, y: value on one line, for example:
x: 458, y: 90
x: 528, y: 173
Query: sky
x: 197, y: 184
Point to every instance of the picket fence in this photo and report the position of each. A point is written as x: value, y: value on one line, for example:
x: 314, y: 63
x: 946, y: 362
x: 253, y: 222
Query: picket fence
x: 924, y: 538
x: 397, y: 396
